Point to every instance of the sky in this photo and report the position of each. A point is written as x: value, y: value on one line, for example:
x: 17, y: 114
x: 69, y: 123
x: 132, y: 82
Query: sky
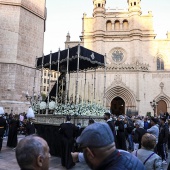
x: 66, y: 16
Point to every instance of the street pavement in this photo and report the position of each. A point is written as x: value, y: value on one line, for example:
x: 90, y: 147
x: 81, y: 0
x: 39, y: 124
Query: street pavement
x: 8, y: 160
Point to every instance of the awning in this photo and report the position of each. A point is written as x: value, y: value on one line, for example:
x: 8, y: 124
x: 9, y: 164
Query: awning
x: 88, y: 59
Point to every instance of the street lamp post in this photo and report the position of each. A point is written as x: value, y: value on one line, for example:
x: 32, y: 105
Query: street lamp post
x: 154, y: 105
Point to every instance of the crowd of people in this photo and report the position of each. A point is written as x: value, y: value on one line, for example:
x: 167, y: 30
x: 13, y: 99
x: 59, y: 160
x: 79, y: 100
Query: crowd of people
x: 144, y: 137
x: 122, y: 142
x: 13, y: 124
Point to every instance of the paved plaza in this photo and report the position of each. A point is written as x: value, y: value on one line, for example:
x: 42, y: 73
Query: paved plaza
x: 8, y: 160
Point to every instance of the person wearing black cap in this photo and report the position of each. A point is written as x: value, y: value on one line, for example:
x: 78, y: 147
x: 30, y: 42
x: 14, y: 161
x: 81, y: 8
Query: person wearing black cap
x: 68, y: 132
x: 163, y: 139
x: 100, y: 152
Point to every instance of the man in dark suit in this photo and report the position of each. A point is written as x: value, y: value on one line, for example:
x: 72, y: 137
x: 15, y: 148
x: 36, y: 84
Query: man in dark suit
x: 110, y: 122
x: 68, y: 132
x: 2, y: 126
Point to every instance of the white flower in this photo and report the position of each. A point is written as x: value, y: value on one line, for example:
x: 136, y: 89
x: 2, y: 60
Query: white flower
x: 1, y: 111
x: 52, y: 105
x: 30, y: 113
x: 42, y: 105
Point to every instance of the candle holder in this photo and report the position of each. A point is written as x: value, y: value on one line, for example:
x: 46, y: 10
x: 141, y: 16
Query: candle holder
x: 34, y: 101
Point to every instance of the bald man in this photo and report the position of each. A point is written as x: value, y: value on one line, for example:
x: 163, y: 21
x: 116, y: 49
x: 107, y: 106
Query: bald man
x: 32, y: 153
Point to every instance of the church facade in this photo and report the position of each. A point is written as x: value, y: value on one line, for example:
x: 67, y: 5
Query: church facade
x: 137, y: 64
x: 22, y: 35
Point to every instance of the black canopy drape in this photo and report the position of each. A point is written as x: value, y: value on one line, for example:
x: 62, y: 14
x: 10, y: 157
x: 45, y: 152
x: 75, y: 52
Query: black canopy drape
x: 88, y: 59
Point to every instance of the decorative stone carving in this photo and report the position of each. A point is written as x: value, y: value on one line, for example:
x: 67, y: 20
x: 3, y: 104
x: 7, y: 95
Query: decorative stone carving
x: 135, y: 66
x: 118, y: 78
x: 162, y: 86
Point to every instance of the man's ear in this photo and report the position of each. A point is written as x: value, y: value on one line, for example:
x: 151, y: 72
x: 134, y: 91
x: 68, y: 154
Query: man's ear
x: 89, y: 153
x: 40, y: 160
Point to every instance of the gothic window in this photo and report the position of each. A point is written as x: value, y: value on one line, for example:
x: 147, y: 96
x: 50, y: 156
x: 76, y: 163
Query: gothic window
x: 117, y: 25
x: 117, y: 55
x: 108, y: 26
x: 160, y: 63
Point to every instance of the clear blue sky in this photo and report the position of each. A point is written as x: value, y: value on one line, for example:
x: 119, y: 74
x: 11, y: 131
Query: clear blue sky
x: 66, y: 16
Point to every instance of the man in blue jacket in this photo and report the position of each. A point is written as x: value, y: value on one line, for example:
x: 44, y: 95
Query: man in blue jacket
x: 100, y: 153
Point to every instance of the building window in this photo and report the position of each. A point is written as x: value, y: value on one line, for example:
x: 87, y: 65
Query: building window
x: 47, y: 89
x: 44, y: 73
x: 125, y: 25
x: 48, y: 81
x: 134, y: 3
x: 160, y: 64
x: 117, y: 25
x: 44, y: 88
x: 44, y: 80
x: 108, y: 26
x: 98, y: 5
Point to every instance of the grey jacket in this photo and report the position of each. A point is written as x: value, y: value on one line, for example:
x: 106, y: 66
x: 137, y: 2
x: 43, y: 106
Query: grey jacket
x: 154, y: 130
x: 153, y: 163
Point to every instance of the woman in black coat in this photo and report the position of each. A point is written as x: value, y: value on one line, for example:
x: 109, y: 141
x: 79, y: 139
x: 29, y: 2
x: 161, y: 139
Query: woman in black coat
x: 13, y: 131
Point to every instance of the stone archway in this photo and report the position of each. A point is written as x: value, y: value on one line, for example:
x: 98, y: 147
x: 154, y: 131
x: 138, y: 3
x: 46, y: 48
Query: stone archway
x: 122, y: 94
x: 117, y: 106
x: 163, y: 103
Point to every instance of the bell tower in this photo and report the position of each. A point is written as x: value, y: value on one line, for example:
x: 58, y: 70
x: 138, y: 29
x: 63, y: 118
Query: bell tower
x: 134, y: 6
x: 99, y: 24
x: 99, y: 5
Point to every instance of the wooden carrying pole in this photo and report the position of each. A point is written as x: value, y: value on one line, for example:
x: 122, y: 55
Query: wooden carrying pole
x: 49, y: 83
x: 77, y: 73
x: 104, y: 93
x: 67, y: 77
x: 42, y: 69
x: 58, y: 63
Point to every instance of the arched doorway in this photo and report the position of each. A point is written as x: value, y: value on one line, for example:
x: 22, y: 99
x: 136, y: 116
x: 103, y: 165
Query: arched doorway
x: 117, y: 106
x: 162, y: 107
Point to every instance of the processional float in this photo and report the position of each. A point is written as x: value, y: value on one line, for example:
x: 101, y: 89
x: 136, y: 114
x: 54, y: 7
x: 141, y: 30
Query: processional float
x: 62, y: 99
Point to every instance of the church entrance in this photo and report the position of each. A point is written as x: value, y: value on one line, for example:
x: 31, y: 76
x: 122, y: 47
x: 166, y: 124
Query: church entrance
x: 162, y: 107
x: 117, y: 106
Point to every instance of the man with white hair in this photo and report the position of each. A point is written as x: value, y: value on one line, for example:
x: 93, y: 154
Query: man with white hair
x: 2, y: 126
x: 139, y: 132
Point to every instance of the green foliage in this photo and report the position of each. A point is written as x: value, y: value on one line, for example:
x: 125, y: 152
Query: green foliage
x: 43, y: 96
